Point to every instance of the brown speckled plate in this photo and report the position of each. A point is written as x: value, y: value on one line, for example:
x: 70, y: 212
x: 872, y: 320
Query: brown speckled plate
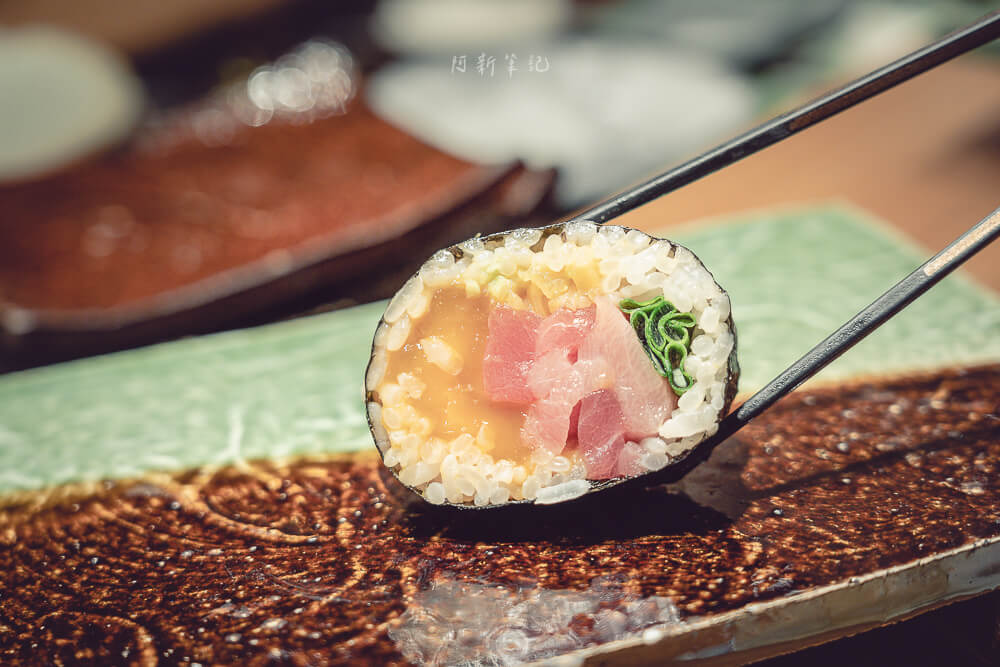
x: 183, y: 231
x: 843, y: 508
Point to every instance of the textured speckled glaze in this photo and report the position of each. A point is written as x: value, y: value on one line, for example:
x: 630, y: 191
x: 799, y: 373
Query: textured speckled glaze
x: 312, y: 562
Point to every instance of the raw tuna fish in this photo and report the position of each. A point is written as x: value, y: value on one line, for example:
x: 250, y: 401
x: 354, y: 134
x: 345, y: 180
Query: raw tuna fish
x: 559, y: 337
x: 549, y: 422
x: 573, y: 369
x: 564, y: 330
x: 549, y: 371
x: 601, y: 433
x: 510, y: 351
x: 644, y: 395
x: 628, y: 461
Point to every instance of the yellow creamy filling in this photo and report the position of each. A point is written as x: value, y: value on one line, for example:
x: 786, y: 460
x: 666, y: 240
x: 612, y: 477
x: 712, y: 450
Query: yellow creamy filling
x: 453, y: 403
x: 432, y: 392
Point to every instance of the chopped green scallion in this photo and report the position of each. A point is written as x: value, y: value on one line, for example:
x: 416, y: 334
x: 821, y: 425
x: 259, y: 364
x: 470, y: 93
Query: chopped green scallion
x: 665, y: 334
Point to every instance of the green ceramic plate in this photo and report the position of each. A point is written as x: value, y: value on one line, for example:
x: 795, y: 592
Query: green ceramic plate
x: 296, y: 387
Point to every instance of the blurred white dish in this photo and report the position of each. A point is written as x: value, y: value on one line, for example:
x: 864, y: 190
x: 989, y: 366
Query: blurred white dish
x: 62, y: 97
x: 605, y: 113
x: 446, y: 26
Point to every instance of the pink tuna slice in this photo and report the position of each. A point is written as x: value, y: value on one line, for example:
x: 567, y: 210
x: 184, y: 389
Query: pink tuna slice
x: 601, y: 433
x: 559, y: 337
x: 628, y: 461
x: 510, y: 351
x: 549, y: 371
x: 564, y: 330
x: 546, y: 426
x: 574, y: 421
x: 645, y: 396
x: 550, y: 422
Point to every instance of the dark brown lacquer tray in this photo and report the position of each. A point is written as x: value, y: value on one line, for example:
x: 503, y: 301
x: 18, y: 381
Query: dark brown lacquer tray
x: 187, y: 229
x: 843, y: 508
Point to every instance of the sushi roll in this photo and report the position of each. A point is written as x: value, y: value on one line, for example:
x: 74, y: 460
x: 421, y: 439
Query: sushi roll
x: 538, y: 364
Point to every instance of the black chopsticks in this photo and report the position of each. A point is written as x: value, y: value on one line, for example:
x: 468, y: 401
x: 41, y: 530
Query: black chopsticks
x: 955, y: 44
x: 840, y: 341
x: 858, y: 327
x: 896, y: 298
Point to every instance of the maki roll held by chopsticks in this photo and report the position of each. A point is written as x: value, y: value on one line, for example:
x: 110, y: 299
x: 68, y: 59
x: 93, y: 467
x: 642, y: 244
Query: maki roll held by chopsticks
x: 532, y: 365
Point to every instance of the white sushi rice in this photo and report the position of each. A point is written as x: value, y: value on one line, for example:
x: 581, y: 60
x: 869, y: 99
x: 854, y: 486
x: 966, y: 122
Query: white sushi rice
x: 624, y: 264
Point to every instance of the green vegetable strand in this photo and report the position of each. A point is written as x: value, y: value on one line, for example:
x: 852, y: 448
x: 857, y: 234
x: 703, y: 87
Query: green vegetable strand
x: 665, y: 333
